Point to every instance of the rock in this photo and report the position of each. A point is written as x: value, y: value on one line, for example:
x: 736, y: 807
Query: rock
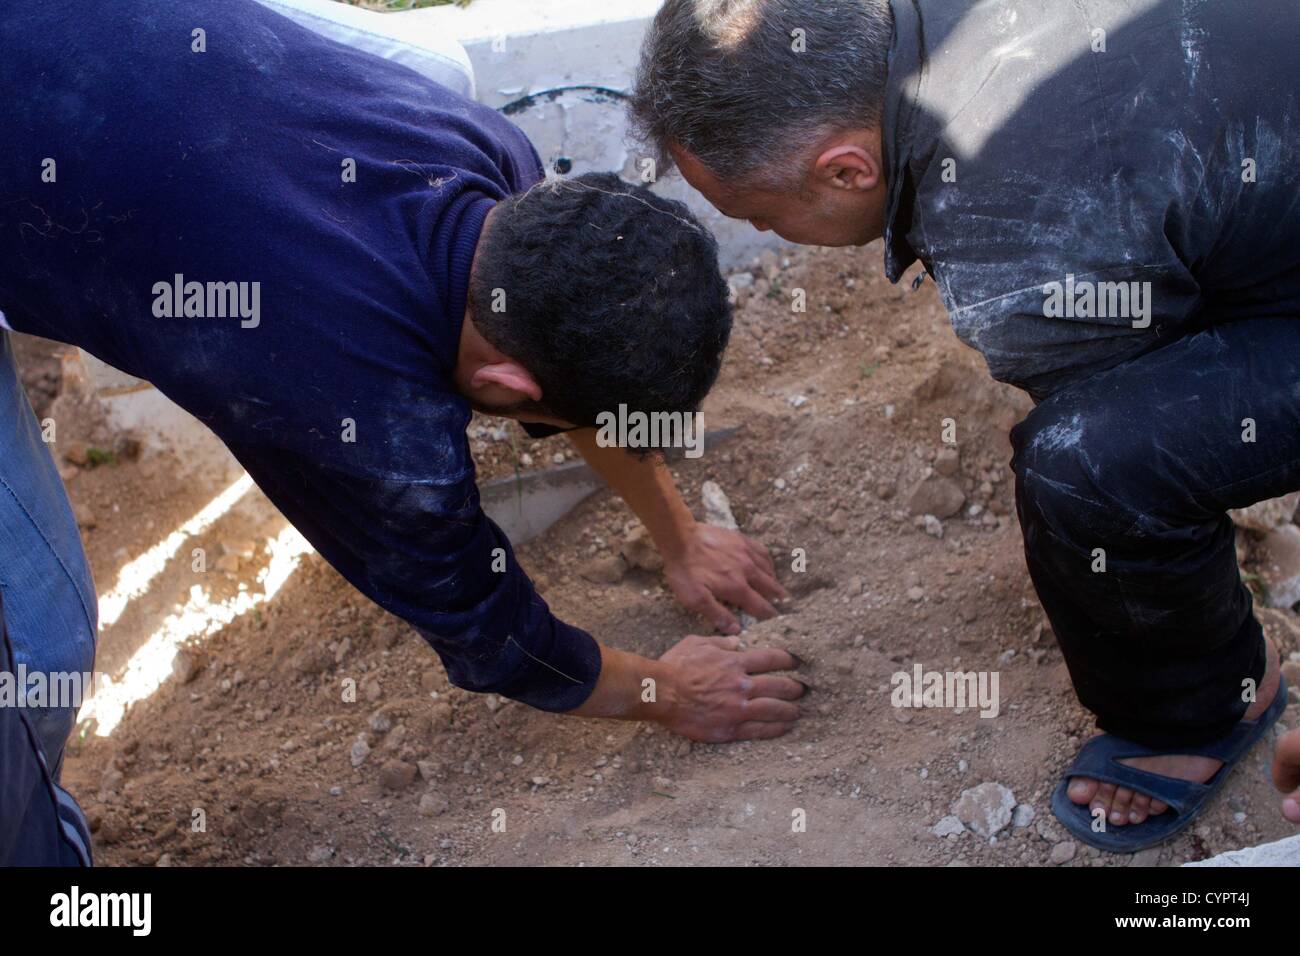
x: 932, y: 526
x: 130, y: 445
x: 885, y: 490
x: 915, y: 594
x: 640, y: 552
x: 77, y: 453
x: 228, y: 563
x: 244, y: 548
x: 1048, y: 830
x: 85, y: 517
x: 313, y: 659
x: 947, y: 462
x: 717, y: 507
x: 741, y: 280
x: 603, y: 569
x: 1063, y: 852
x: 838, y: 522
x: 320, y: 854
x: 1279, y: 561
x: 441, y: 715
x: 428, y: 770
x: 360, y: 751
x: 1023, y: 816
x: 434, y: 804
x: 1266, y: 516
x: 380, y: 722
x: 396, y: 775
x: 986, y: 809
x: 111, y: 781
x: 936, y: 495
x: 185, y: 666
x: 947, y: 826
x: 1148, y: 857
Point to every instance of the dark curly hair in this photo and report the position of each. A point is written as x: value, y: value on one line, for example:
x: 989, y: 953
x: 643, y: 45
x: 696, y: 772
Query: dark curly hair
x: 612, y: 295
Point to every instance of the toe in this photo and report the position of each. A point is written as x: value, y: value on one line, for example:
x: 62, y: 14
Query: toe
x: 1082, y: 789
x: 1139, y: 809
x: 1291, y: 807
x: 1119, y: 806
x: 1105, y: 794
x: 1158, y: 807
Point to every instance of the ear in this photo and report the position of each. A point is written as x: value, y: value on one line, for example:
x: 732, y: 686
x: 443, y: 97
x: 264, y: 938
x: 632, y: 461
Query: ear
x: 507, y: 375
x: 847, y: 166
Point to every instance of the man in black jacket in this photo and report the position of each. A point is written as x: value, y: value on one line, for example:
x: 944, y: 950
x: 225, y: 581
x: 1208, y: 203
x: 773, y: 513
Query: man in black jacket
x: 1104, y: 193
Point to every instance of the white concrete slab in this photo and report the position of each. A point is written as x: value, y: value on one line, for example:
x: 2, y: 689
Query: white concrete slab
x: 1284, y: 852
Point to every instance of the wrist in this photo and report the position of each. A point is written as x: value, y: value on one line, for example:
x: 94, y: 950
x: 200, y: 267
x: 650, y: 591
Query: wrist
x: 673, y: 539
x: 621, y: 691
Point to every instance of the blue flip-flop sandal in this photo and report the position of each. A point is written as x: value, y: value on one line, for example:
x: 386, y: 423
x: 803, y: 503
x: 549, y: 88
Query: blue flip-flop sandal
x: 1100, y: 759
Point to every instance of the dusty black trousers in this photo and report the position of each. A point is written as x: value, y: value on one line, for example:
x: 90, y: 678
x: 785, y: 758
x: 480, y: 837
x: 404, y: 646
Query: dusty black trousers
x: 1122, y: 484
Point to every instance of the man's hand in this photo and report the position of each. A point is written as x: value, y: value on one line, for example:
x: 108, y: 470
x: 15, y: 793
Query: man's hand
x: 711, y: 565
x: 716, y: 692
x: 704, y: 565
x: 704, y: 688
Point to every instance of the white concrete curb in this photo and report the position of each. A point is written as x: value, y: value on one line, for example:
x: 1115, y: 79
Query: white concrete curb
x: 1284, y: 852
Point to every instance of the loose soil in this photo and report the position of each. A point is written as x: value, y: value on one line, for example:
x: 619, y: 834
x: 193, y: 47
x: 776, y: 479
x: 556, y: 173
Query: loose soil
x: 842, y: 411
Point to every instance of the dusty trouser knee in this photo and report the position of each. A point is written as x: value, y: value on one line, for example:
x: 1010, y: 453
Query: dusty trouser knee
x: 1122, y: 487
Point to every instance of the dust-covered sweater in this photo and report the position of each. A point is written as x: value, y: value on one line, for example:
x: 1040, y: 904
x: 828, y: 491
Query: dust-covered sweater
x: 277, y: 231
x: 1086, y: 179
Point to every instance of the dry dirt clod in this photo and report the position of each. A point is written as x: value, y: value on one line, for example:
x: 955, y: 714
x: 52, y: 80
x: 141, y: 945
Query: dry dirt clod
x: 396, y: 775
x: 433, y: 804
x: 639, y: 551
x: 77, y: 453
x: 936, y: 495
x: 947, y: 462
x: 603, y: 569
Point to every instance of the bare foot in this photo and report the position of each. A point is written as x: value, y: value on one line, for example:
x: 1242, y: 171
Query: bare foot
x: 1124, y: 806
x: 1286, y: 773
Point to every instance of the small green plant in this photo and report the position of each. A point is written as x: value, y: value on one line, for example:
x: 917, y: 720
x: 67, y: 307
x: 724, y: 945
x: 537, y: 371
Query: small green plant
x: 99, y: 456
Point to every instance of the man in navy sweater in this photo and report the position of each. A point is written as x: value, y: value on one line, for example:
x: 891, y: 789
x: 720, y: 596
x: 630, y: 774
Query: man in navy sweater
x: 328, y: 260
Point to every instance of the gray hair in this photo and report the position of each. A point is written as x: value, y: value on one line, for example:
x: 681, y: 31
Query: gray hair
x: 724, y: 80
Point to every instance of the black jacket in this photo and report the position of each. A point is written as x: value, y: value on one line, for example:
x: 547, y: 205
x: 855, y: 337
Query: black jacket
x: 1030, y: 141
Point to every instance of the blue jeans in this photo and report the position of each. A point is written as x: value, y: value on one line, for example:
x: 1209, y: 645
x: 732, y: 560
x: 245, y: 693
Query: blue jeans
x: 48, y: 620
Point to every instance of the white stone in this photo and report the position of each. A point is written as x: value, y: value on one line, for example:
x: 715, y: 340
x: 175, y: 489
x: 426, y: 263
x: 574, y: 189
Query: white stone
x: 986, y: 809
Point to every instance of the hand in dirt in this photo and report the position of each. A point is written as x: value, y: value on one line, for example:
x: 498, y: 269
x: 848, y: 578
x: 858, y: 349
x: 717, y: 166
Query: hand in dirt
x: 716, y: 565
x: 1286, y: 773
x: 717, y: 692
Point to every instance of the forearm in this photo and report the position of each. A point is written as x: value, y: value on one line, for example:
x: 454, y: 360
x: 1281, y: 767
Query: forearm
x: 645, y: 484
x: 629, y: 688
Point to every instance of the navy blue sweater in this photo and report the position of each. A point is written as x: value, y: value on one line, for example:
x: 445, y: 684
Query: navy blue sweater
x: 228, y: 166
